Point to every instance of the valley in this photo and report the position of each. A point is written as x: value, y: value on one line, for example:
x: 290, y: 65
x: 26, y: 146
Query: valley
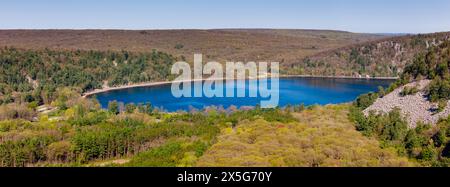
x: 46, y: 121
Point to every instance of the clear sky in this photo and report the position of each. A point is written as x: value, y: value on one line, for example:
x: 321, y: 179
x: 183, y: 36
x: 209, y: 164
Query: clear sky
x: 374, y: 16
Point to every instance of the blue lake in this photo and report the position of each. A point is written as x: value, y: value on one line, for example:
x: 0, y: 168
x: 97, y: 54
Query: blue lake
x: 292, y: 91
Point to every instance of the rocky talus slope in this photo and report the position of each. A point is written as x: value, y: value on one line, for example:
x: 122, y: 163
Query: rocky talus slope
x: 416, y: 107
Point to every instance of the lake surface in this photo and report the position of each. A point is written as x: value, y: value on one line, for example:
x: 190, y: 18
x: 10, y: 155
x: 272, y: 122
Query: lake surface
x: 292, y: 91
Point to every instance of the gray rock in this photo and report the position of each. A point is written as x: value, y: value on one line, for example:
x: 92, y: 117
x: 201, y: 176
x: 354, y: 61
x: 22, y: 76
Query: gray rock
x: 415, y: 108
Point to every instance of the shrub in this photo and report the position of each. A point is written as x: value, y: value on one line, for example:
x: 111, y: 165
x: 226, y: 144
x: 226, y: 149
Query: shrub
x: 90, y: 118
x: 145, y: 108
x: 427, y: 154
x: 439, y: 89
x: 395, y: 127
x: 407, y: 90
x: 439, y: 138
x: 166, y: 155
x: 381, y: 91
x: 130, y: 108
x: 442, y: 104
x: 365, y: 100
x: 113, y: 107
x: 59, y: 151
x: 15, y: 111
x: 17, y: 124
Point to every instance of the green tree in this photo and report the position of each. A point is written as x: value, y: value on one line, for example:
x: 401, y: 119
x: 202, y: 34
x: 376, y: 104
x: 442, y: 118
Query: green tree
x: 113, y: 107
x: 428, y: 153
x: 381, y: 91
x: 365, y: 100
x: 129, y: 108
x: 439, y: 138
x: 145, y: 108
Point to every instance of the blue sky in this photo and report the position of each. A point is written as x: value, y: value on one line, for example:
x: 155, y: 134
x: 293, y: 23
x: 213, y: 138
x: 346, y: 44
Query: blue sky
x: 381, y: 16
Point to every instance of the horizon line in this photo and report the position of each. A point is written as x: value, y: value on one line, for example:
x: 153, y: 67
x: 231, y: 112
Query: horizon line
x: 226, y: 28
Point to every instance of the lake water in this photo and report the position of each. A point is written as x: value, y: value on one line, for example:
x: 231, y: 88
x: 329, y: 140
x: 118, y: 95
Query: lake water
x: 292, y: 91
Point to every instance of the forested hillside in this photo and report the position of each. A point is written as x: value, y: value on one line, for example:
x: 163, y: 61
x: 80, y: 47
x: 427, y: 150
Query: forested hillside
x: 281, y: 45
x: 383, y: 58
x: 36, y: 75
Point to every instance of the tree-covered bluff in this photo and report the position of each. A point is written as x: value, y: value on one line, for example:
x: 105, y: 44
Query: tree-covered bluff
x: 35, y: 75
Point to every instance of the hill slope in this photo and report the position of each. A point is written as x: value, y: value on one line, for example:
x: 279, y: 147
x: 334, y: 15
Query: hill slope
x: 412, y: 115
x: 423, y: 91
x: 382, y: 58
x: 218, y: 45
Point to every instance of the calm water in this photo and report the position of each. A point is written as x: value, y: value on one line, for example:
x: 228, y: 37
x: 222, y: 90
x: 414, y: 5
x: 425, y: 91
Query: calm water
x: 292, y: 91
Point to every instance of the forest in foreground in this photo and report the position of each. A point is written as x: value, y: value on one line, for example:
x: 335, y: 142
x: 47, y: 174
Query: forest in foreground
x: 294, y: 136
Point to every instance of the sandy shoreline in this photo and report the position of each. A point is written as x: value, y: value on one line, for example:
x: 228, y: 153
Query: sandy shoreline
x: 159, y: 83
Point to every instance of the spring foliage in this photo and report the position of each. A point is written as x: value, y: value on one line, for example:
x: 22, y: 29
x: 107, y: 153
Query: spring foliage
x: 35, y: 75
x: 321, y: 136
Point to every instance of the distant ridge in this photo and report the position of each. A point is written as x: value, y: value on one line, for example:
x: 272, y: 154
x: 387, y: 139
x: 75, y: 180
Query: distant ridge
x: 283, y: 45
x: 393, y: 34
